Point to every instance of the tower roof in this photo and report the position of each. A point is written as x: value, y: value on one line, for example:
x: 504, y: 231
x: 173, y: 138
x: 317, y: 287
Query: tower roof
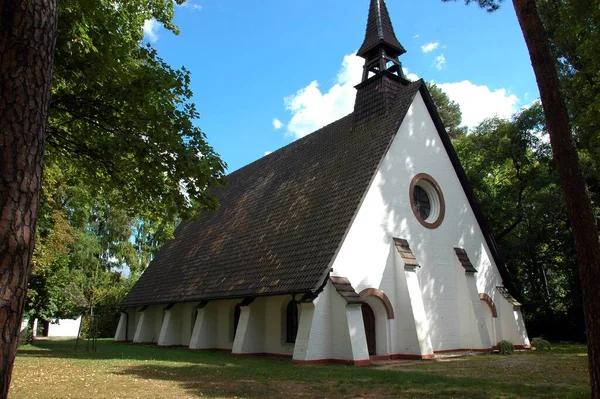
x: 380, y: 31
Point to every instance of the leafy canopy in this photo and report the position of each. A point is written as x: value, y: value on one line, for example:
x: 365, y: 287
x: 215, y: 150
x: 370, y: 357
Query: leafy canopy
x: 123, y: 117
x: 125, y: 159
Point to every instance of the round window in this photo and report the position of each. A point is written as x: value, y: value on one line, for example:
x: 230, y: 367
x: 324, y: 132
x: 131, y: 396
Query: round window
x: 427, y: 201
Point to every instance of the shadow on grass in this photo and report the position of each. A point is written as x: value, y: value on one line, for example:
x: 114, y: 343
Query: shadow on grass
x: 331, y: 381
x: 222, y: 374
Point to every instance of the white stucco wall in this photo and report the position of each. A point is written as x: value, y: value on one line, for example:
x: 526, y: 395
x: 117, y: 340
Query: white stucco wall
x: 386, y: 213
x: 64, y: 328
x: 149, y: 323
x: 510, y: 323
x: 330, y: 329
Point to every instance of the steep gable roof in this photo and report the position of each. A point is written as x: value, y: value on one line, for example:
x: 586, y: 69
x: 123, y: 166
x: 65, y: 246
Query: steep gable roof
x: 281, y: 219
x: 379, y: 31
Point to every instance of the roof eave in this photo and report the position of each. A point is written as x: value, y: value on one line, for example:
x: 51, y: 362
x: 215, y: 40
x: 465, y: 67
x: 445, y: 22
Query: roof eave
x: 363, y: 51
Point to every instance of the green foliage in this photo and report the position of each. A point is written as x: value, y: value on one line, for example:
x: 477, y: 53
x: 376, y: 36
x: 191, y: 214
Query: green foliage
x: 125, y: 160
x: 488, y: 5
x: 123, y: 117
x: 573, y: 28
x: 106, y: 313
x: 510, y: 167
x: 506, y: 347
x: 449, y: 112
x: 541, y: 344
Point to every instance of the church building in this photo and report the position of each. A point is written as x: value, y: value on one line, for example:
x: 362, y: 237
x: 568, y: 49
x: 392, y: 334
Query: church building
x: 360, y: 241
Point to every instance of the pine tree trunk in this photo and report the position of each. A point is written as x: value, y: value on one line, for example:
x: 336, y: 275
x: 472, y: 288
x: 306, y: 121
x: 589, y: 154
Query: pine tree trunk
x: 583, y: 223
x: 27, y: 40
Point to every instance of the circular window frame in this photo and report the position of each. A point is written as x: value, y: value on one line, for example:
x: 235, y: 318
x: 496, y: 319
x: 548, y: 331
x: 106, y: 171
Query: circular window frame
x: 438, y: 205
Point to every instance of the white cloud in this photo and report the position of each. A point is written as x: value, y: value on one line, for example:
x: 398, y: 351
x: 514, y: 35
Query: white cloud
x: 151, y: 27
x: 410, y: 76
x: 267, y: 153
x: 416, y: 36
x: 277, y: 124
x: 429, y: 47
x: 312, y: 109
x: 190, y: 5
x: 479, y: 102
x: 439, y: 62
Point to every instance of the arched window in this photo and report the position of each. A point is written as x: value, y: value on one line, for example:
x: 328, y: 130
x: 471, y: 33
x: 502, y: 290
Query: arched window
x: 291, y: 322
x: 236, y: 318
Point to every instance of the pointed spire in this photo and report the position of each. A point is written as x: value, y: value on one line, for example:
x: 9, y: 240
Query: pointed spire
x: 381, y: 48
x: 380, y: 32
x: 382, y: 78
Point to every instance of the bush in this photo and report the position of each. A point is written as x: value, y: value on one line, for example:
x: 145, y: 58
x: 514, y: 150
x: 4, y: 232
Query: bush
x: 506, y: 347
x: 541, y: 344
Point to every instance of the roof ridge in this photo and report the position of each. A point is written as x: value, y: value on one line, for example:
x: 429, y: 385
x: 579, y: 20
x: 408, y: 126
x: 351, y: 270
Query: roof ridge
x: 298, y: 141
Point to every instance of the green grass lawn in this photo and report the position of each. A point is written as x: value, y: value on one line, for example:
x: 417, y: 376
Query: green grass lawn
x: 52, y: 369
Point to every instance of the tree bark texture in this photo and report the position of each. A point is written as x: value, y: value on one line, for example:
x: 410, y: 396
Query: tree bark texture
x: 27, y: 40
x: 583, y: 223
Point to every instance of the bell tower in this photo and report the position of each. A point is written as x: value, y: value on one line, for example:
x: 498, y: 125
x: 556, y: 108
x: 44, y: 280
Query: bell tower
x: 382, y: 77
x: 380, y: 48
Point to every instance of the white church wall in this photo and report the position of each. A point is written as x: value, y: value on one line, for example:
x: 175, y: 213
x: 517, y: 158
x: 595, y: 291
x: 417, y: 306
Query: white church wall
x: 204, y: 334
x: 121, y: 333
x: 490, y: 322
x: 147, y: 329
x: 64, y: 328
x: 170, y: 328
x: 177, y: 324
x: 511, y: 323
x: 316, y: 327
x: 409, y: 330
x: 250, y: 334
x: 225, y: 323
x: 134, y: 315
x: 386, y: 213
x: 188, y: 317
x: 275, y: 325
x: 301, y: 347
x: 466, y: 320
x: 330, y: 330
x: 339, y: 333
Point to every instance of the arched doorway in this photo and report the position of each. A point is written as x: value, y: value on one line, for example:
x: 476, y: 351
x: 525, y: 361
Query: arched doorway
x: 370, y: 333
x: 377, y: 311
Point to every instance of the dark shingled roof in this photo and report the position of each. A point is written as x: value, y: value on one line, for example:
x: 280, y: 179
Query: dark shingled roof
x: 405, y: 252
x: 345, y: 289
x: 506, y: 294
x: 283, y: 217
x: 464, y: 260
x: 380, y: 31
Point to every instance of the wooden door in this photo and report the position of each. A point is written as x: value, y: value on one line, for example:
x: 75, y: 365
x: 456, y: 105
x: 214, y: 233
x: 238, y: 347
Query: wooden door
x: 369, y: 320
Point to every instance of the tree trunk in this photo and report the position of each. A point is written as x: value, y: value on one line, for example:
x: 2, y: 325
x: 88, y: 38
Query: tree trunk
x: 583, y: 223
x: 27, y: 39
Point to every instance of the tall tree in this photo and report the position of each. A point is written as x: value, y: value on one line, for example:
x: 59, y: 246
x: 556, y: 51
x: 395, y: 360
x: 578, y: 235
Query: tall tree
x: 449, y: 111
x: 119, y: 115
x: 510, y: 166
x: 27, y: 41
x: 579, y: 208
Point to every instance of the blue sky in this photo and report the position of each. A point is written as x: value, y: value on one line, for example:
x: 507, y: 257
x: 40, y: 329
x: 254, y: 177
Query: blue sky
x: 267, y: 72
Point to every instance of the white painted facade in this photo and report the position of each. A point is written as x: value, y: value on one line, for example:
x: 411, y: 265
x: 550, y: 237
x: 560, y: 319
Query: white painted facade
x: 56, y: 329
x: 436, y: 306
